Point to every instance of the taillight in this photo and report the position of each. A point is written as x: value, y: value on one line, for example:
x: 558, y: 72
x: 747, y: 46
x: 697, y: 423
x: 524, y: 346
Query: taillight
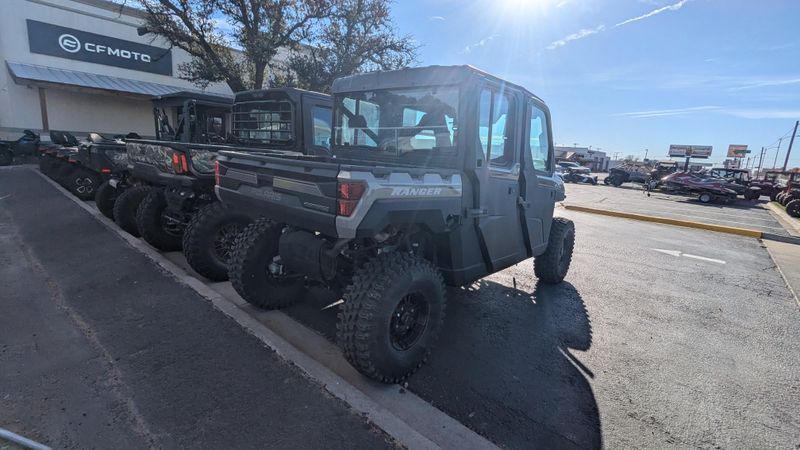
x: 105, y: 170
x: 179, y: 163
x: 216, y: 173
x: 349, y: 193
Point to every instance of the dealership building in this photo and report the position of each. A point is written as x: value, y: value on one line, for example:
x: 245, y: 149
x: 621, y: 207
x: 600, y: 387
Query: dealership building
x: 81, y: 66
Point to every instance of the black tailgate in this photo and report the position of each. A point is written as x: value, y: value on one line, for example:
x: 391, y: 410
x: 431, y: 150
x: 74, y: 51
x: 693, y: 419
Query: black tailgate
x: 299, y: 191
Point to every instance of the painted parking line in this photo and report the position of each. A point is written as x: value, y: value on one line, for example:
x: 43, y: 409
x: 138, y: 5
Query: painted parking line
x: 678, y: 254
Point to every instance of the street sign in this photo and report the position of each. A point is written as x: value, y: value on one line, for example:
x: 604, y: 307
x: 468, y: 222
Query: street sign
x: 690, y: 151
x: 737, y: 151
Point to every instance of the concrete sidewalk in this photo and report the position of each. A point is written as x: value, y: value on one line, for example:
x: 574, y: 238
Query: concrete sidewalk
x: 787, y: 258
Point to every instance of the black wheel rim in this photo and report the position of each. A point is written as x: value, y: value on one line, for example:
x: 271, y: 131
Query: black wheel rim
x: 171, y: 226
x: 224, y: 239
x: 409, y: 320
x: 84, y: 185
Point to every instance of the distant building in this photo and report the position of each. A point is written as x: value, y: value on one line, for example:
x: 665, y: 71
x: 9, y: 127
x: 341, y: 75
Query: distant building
x: 594, y: 159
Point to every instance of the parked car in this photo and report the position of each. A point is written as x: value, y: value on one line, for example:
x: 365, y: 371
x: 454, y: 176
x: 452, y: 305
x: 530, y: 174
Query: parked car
x: 26, y: 145
x: 179, y: 210
x: 403, y: 206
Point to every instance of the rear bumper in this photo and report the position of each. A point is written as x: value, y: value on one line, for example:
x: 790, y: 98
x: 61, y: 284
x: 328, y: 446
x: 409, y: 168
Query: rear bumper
x: 150, y: 174
x: 263, y: 202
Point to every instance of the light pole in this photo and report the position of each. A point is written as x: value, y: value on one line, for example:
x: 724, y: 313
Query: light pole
x: 645, y: 153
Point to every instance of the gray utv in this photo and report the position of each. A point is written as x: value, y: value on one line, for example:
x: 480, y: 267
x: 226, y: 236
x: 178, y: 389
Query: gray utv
x: 438, y: 175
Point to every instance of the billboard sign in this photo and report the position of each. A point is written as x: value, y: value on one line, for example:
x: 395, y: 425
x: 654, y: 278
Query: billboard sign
x: 690, y: 151
x: 737, y: 151
x: 69, y: 43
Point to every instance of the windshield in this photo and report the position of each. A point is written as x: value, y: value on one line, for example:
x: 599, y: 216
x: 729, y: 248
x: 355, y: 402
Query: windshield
x: 265, y: 123
x: 398, y: 121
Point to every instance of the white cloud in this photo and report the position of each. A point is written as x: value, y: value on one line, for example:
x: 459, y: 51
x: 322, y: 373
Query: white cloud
x: 575, y: 36
x: 766, y: 83
x: 481, y: 43
x: 765, y: 113
x: 600, y: 28
x: 672, y: 7
x: 438, y: 18
x: 667, y: 112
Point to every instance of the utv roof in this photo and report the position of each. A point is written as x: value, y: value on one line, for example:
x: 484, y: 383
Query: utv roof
x: 293, y: 93
x: 177, y: 98
x: 417, y: 76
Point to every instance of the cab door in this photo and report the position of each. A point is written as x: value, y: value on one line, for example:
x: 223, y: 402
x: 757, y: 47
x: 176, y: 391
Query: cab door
x: 538, y: 183
x: 499, y: 135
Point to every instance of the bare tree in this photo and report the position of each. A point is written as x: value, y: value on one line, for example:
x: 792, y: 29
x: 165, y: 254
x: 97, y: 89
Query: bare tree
x: 358, y: 36
x: 258, y: 28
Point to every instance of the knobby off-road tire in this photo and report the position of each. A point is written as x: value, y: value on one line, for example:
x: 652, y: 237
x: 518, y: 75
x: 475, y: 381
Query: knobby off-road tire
x: 552, y: 265
x: 83, y: 183
x: 209, y: 238
x: 6, y: 158
x: 391, y: 316
x: 254, y: 250
x: 150, y: 223
x: 793, y: 208
x: 104, y: 198
x: 126, y: 207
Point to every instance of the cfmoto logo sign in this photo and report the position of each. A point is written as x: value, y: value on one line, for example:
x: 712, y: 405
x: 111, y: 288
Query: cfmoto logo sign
x: 69, y: 43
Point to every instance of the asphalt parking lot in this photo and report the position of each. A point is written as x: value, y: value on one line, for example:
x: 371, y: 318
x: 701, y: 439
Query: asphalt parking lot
x: 632, y: 198
x: 660, y: 337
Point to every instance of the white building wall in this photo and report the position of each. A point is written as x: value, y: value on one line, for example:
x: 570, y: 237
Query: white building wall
x: 19, y: 105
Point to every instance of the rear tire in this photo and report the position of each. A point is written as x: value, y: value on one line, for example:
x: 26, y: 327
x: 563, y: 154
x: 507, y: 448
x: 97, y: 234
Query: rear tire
x: 126, y: 207
x: 391, y: 316
x: 209, y: 238
x: 150, y: 223
x: 6, y: 158
x: 104, y: 198
x: 83, y: 183
x: 616, y: 181
x: 552, y: 265
x: 705, y: 198
x: 793, y: 208
x: 254, y: 251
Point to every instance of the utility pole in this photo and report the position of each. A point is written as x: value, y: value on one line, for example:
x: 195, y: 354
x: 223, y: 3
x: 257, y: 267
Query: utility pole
x: 777, y: 152
x: 645, y: 153
x: 791, y: 143
x: 760, y: 160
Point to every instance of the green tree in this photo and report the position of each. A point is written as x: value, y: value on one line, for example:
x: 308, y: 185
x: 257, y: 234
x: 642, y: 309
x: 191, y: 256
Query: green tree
x: 358, y: 36
x: 257, y: 28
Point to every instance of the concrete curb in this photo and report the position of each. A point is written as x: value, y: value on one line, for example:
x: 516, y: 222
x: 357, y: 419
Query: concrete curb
x: 412, y: 422
x: 677, y: 222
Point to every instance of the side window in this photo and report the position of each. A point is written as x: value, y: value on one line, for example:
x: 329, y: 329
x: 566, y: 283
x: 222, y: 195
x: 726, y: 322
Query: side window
x: 495, y: 128
x: 501, y: 149
x: 483, y: 121
x: 321, y: 133
x: 539, y: 145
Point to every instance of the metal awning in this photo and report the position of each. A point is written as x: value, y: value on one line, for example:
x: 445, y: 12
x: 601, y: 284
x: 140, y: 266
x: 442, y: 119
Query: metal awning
x: 50, y: 75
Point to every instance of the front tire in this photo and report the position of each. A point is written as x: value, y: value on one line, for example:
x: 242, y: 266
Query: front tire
x: 104, y: 198
x: 151, y: 223
x: 255, y: 250
x: 705, y: 197
x: 391, y: 316
x: 126, y: 207
x: 793, y: 208
x: 552, y: 265
x: 209, y: 238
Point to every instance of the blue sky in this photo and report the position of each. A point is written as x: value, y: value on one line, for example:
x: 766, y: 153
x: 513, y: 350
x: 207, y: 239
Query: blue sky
x: 630, y: 75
